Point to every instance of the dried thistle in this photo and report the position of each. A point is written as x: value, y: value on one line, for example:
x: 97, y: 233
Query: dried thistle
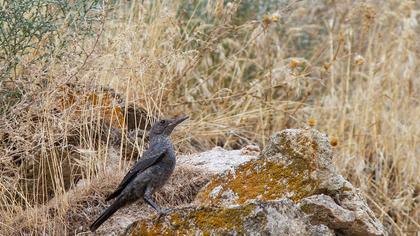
x: 359, y: 60
x: 312, y: 121
x: 334, y: 141
x: 268, y: 20
x: 294, y: 63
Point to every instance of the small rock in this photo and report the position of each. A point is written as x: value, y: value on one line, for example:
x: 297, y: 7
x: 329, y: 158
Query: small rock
x: 324, y: 210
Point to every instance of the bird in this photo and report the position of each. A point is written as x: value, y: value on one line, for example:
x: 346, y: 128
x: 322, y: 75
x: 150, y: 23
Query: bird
x: 149, y: 174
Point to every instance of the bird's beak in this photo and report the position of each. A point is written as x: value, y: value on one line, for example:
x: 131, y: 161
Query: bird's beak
x: 178, y: 120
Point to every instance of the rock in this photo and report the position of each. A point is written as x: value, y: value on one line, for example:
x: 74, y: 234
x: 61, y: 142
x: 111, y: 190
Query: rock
x: 219, y: 160
x: 292, y: 188
x: 324, y: 210
x: 295, y: 164
x: 279, y: 217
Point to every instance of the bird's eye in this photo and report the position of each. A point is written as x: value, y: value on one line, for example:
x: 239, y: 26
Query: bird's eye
x: 162, y: 122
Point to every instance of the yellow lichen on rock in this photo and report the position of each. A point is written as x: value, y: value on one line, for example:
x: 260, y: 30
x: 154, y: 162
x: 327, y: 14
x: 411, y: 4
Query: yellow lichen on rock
x: 288, y: 173
x: 207, y: 220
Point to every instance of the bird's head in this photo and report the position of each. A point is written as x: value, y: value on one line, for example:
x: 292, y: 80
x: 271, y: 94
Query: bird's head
x: 166, y: 126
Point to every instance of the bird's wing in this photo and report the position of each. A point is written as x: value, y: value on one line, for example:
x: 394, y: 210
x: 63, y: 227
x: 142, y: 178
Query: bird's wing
x: 150, y: 156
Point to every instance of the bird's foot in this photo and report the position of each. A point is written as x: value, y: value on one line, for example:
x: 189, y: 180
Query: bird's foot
x: 164, y: 212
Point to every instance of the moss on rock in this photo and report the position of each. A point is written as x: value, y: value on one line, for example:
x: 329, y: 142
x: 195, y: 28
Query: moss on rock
x: 286, y: 168
x: 280, y: 217
x: 207, y: 220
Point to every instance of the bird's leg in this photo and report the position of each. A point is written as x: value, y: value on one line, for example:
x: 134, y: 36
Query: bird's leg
x: 149, y: 200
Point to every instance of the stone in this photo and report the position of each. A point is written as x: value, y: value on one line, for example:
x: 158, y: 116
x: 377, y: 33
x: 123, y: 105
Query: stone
x: 279, y: 217
x: 292, y: 188
x: 285, y: 168
x: 322, y: 209
x: 219, y: 160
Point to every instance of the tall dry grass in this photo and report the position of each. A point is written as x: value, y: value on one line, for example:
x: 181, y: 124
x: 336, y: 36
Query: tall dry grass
x: 348, y: 68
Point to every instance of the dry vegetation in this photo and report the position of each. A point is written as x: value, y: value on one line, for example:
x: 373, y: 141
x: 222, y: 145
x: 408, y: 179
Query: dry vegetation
x: 241, y: 71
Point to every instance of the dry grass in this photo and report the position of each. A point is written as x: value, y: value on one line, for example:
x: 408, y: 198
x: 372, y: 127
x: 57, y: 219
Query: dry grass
x: 73, y: 211
x: 350, y: 69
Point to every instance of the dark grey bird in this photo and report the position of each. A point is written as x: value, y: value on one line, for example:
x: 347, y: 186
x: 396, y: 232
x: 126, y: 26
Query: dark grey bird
x: 149, y: 174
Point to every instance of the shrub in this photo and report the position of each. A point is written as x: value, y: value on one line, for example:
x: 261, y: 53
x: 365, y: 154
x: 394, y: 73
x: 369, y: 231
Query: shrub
x: 34, y: 32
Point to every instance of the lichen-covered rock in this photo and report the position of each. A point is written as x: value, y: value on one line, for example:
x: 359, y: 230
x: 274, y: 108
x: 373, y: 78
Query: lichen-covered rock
x: 280, y: 217
x: 296, y: 165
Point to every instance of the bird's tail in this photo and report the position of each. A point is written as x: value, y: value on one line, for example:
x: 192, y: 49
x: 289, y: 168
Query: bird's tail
x: 106, y: 214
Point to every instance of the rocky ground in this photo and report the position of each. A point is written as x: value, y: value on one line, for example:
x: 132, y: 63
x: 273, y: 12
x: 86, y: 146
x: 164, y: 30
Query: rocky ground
x: 290, y: 188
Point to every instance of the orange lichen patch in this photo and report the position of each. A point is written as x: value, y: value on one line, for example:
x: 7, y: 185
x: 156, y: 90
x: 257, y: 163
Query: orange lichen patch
x: 271, y: 181
x: 104, y: 102
x: 205, y: 220
x: 141, y: 228
x: 68, y: 98
x: 270, y: 177
x: 231, y: 219
x: 111, y: 113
